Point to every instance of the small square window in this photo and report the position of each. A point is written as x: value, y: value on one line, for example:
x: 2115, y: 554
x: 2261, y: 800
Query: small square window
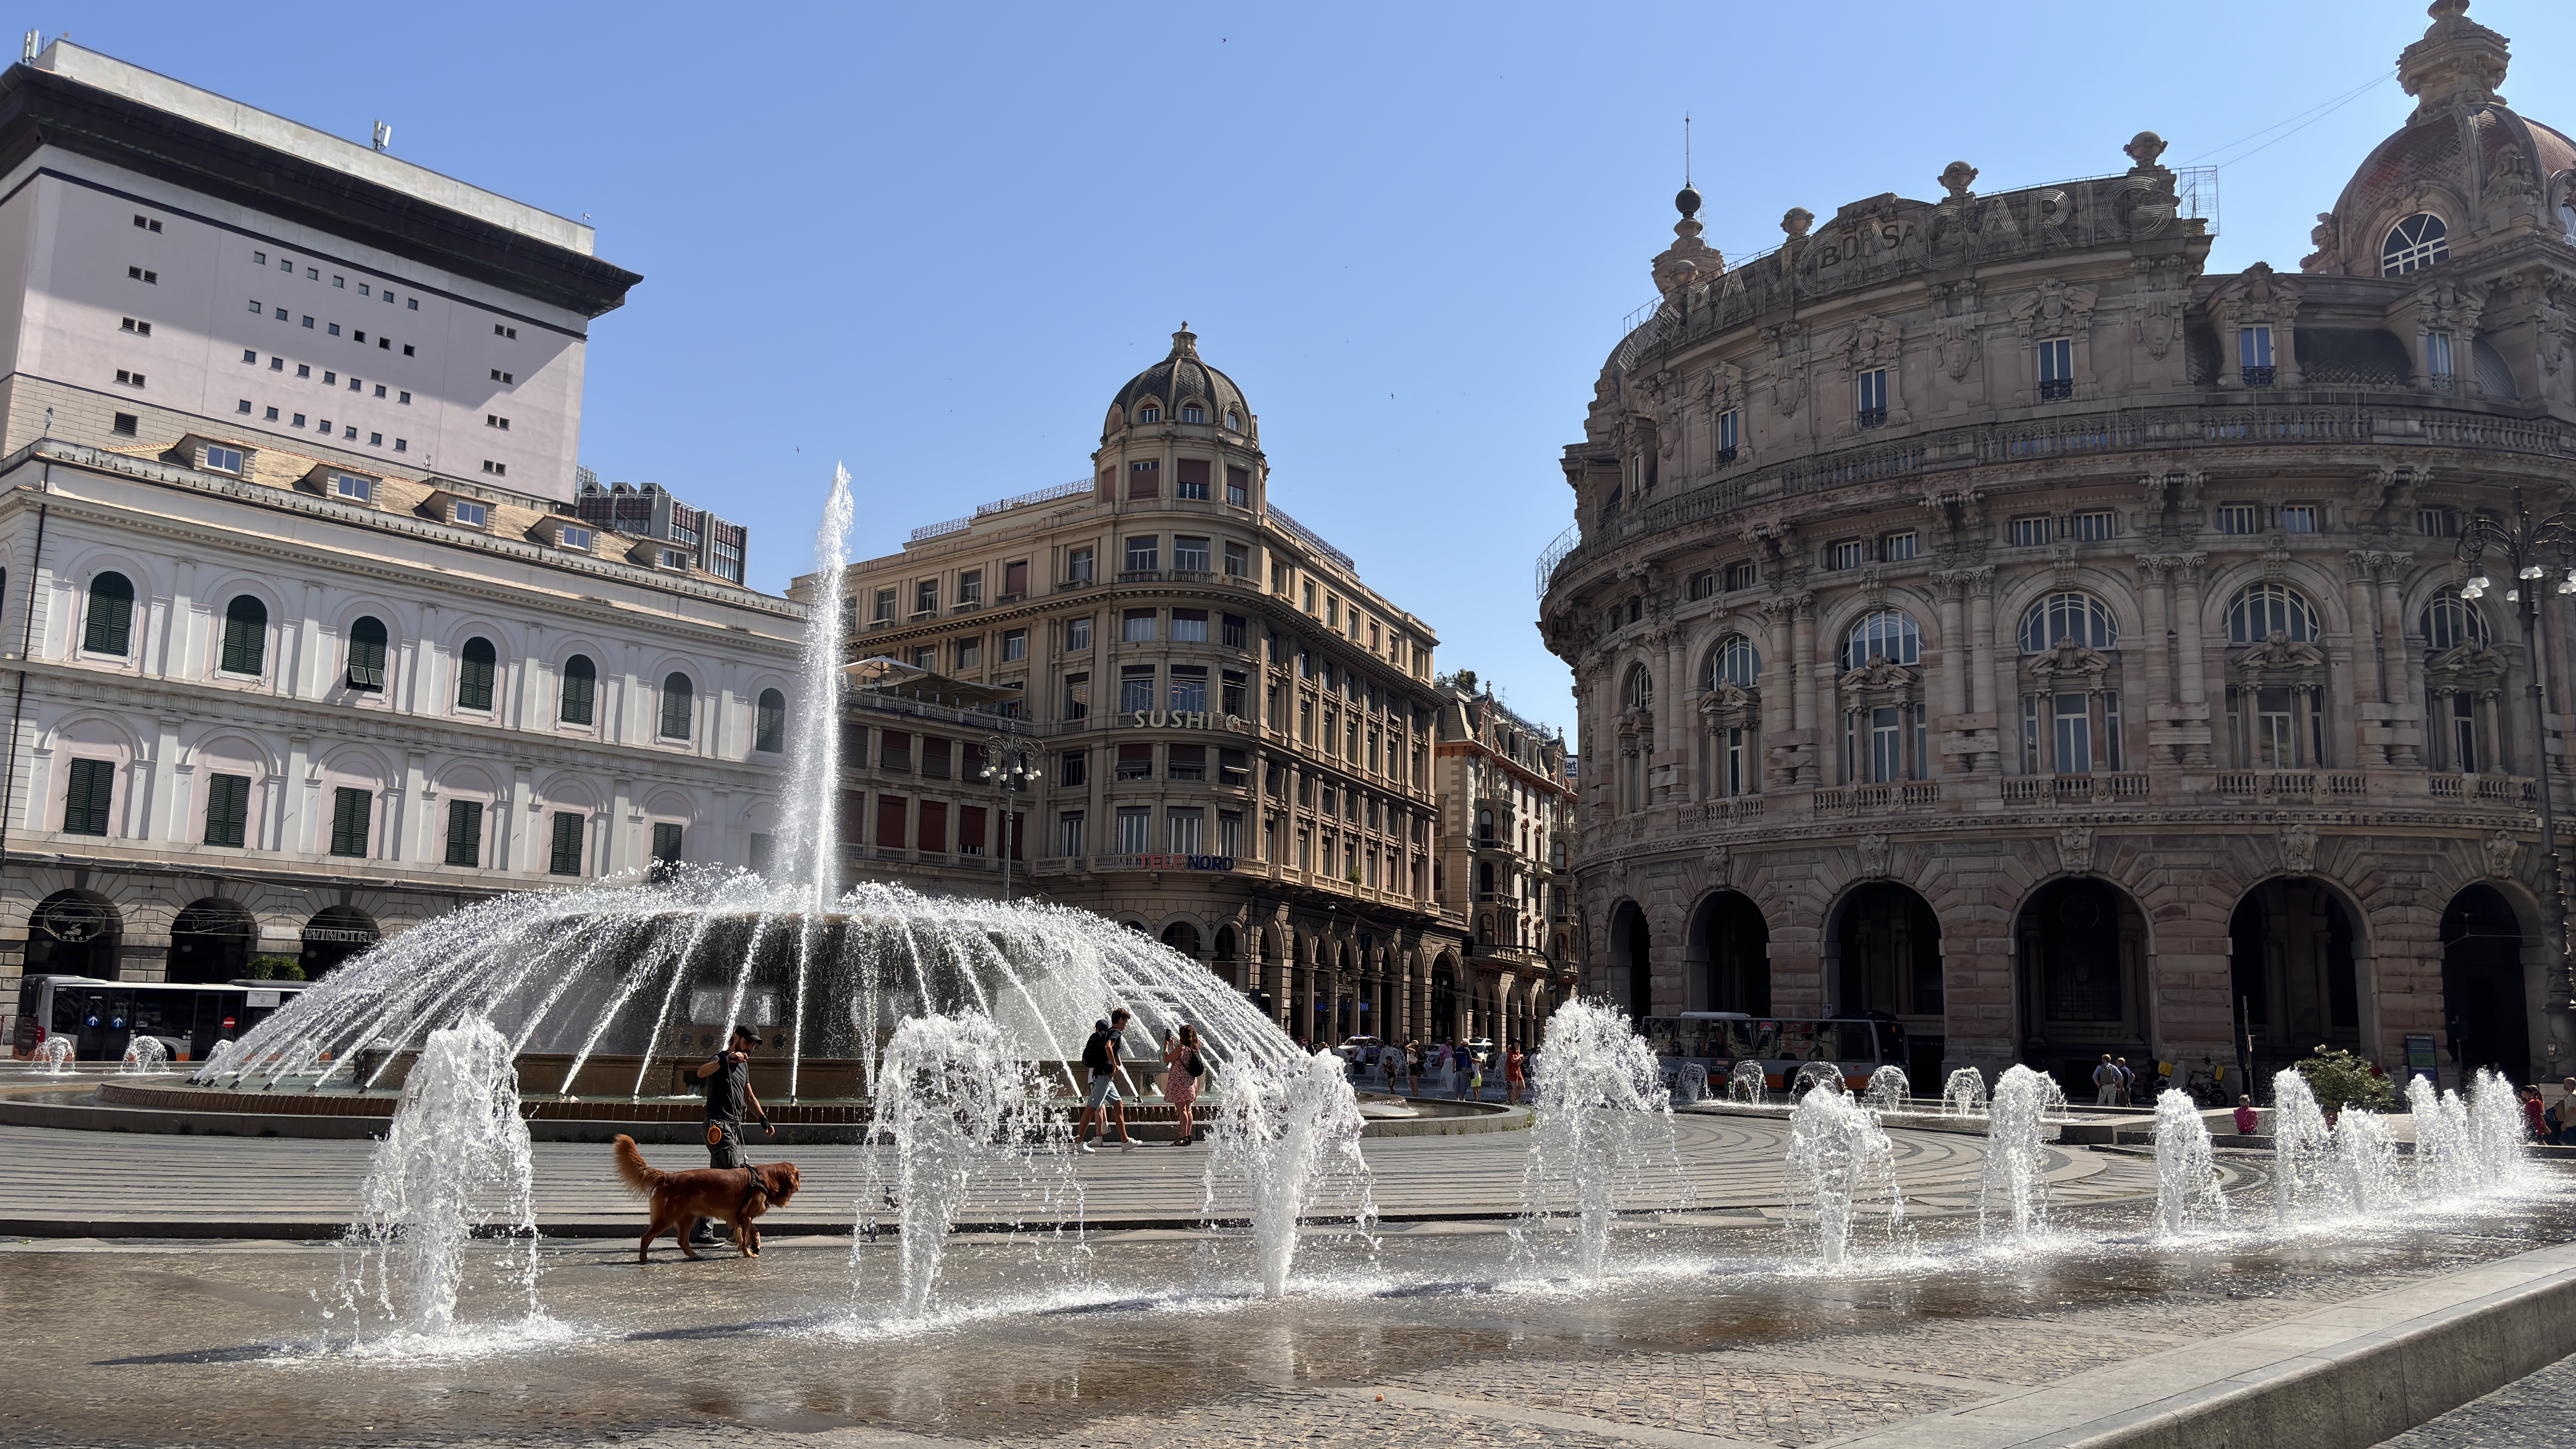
x: 380, y: 389
x: 308, y: 321
x: 406, y: 399
x: 355, y: 385
x: 272, y: 415
x: 339, y: 281
x: 128, y: 424
x: 245, y: 406
x: 2029, y: 532
x: 299, y: 420
x: 277, y: 364
x: 500, y: 331
x: 362, y: 290
x: 250, y: 354
x: 259, y: 258
x: 412, y: 303
x: 2299, y: 518
x: 286, y: 265
x: 303, y: 369
x: 385, y: 343
x: 324, y: 427
x: 471, y: 515
x: 255, y: 308
x: 406, y: 349
x: 330, y: 377
x: 358, y: 336
x: 335, y: 329
x: 312, y: 274
x: 2238, y: 518
x: 497, y: 470
x: 375, y: 440
x: 130, y: 379
x: 2094, y: 527
x: 349, y: 432
x: 402, y: 445
x: 281, y: 314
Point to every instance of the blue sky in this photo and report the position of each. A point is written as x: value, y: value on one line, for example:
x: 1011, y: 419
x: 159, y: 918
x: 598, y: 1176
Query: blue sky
x: 933, y: 241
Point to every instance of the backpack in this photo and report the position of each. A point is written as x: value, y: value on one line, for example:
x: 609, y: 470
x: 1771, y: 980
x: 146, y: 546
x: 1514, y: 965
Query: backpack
x: 1095, y: 1052
x: 1194, y: 1064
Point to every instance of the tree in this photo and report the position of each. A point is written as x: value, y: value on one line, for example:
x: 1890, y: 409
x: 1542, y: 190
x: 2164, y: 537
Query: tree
x: 2341, y: 1079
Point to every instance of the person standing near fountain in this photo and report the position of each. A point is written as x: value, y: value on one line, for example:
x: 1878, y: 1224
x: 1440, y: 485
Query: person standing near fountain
x: 1182, y: 1068
x: 1100, y: 1057
x: 2106, y: 1083
x: 728, y: 1079
x: 1514, y: 1065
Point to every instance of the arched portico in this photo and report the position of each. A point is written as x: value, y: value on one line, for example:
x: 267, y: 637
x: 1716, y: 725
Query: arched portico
x: 1730, y: 955
x: 2292, y: 943
x: 1632, y: 980
x: 2488, y: 966
x: 2080, y: 946
x: 211, y: 941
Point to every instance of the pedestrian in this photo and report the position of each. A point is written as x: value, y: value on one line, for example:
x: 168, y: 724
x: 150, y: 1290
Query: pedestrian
x: 1413, y: 1066
x: 1440, y: 1067
x: 2533, y: 1116
x: 1100, y: 1056
x: 2246, y: 1118
x: 2106, y: 1083
x: 1182, y: 1068
x: 2128, y: 1080
x: 1476, y: 1077
x: 728, y: 1079
x: 1512, y: 1076
x: 2566, y: 1110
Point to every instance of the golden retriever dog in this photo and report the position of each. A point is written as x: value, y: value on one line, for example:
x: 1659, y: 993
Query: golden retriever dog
x: 737, y: 1195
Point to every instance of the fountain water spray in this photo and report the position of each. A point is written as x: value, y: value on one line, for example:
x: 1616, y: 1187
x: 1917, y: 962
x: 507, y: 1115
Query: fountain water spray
x: 1838, y: 1153
x: 2445, y: 1165
x: 2497, y: 1133
x: 1605, y: 1117
x: 54, y: 1054
x: 454, y: 1160
x: 2187, y: 1186
x: 1815, y: 1074
x: 1289, y: 1132
x: 1964, y: 1094
x: 2011, y: 1191
x: 2301, y: 1145
x: 964, y: 1108
x: 145, y: 1055
x: 1748, y: 1084
x: 2363, y: 1178
x: 1891, y: 1089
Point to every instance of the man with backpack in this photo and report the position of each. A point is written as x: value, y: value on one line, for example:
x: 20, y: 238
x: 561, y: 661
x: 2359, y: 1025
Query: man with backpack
x: 1100, y: 1058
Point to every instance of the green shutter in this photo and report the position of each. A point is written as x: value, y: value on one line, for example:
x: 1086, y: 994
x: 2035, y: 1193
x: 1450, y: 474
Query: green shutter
x: 349, y: 809
x: 92, y: 789
x: 580, y: 684
x: 567, y: 852
x: 245, y: 636
x: 474, y: 668
x: 227, y: 809
x: 111, y: 614
x: 464, y: 832
x: 666, y: 841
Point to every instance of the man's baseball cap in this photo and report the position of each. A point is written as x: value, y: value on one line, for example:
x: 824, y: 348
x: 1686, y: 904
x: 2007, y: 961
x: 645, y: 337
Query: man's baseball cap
x: 747, y: 1034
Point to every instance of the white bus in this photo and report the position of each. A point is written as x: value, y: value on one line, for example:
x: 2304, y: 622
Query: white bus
x: 102, y: 1017
x: 1716, y: 1040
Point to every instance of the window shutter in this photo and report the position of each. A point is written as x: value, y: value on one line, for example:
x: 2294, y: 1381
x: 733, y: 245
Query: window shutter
x: 565, y: 858
x: 349, y: 809
x: 970, y: 828
x: 1015, y: 578
x: 464, y: 832
x: 87, y: 795
x: 890, y: 821
x: 1144, y: 480
x: 934, y: 827
x: 227, y: 809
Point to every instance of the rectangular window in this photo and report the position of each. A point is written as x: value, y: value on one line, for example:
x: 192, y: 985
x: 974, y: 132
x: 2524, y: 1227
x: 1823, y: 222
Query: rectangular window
x: 666, y: 842
x: 1182, y: 826
x: 970, y: 654
x: 1135, y: 762
x: 1229, y: 832
x: 471, y: 515
x: 2238, y: 518
x: 1728, y: 423
x: 1192, y: 481
x: 1015, y: 579
x: 1897, y: 547
x: 1233, y: 767
x: 935, y: 756
x: 2299, y: 518
x: 1189, y: 687
x: 2434, y: 522
x: 91, y: 790
x: 1077, y: 696
x: 1135, y: 829
x: 1144, y: 555
x: 227, y: 809
x: 349, y: 821
x: 933, y: 836
x: 130, y: 379
x: 1238, y: 486
x: 1135, y: 688
x: 1190, y: 554
x: 2437, y: 358
x: 1849, y: 553
x: 1870, y: 397
x: 1144, y: 480
x: 970, y: 587
x: 465, y: 832
x: 1073, y: 769
x: 1190, y: 626
x: 2029, y: 532
x: 1234, y: 688
x: 894, y: 750
x: 2254, y: 355
x: 2094, y: 527
x: 884, y: 606
x: 1068, y: 833
x: 2056, y: 369
x: 1742, y: 576
x: 1077, y: 566
x: 139, y: 329
x: 894, y: 819
x: 1136, y: 626
x: 925, y: 596
x: 1188, y: 762
x: 1015, y: 645
x: 2074, y: 734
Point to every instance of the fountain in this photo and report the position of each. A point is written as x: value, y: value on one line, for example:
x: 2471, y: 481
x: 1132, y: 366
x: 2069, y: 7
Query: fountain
x: 2187, y: 1186
x: 1837, y: 1151
x: 964, y: 1107
x: 1608, y: 1116
x: 1289, y: 1132
x: 455, y: 1160
x: 54, y: 1055
x: 1964, y: 1094
x: 2301, y: 1145
x: 1890, y: 1090
x: 2362, y: 1181
x: 145, y: 1055
x: 1814, y: 1074
x: 1747, y: 1085
x: 2445, y: 1165
x: 2011, y: 1190
x: 2497, y: 1134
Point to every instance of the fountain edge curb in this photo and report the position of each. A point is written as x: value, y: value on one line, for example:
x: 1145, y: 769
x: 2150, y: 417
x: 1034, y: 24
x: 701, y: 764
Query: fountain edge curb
x: 2346, y: 1375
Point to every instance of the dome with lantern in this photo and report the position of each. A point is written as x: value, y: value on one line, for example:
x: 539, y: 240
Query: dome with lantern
x: 1180, y: 389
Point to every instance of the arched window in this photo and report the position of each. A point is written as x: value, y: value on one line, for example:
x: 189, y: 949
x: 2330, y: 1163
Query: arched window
x: 1193, y: 414
x: 2450, y: 621
x: 474, y: 668
x: 580, y: 688
x: 367, y: 655
x: 1484, y: 827
x: 1734, y: 661
x: 245, y: 636
x: 2417, y: 242
x: 1890, y: 632
x: 1235, y: 420
x: 1484, y: 880
x: 678, y: 698
x: 111, y: 614
x: 1641, y: 689
x: 1149, y: 414
x: 2080, y: 617
x: 2260, y: 611
x: 768, y: 722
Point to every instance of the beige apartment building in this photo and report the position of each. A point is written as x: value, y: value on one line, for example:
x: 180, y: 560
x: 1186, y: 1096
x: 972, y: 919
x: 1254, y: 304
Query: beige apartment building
x: 1227, y: 735
x: 1984, y: 616
x: 1507, y: 803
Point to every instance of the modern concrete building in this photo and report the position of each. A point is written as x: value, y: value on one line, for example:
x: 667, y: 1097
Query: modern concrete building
x: 281, y: 687
x: 690, y: 537
x: 1507, y: 820
x: 1231, y: 733
x: 1983, y: 616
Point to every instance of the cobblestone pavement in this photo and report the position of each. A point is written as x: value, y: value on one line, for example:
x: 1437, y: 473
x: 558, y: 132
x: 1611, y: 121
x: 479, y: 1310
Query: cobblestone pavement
x: 2538, y: 1412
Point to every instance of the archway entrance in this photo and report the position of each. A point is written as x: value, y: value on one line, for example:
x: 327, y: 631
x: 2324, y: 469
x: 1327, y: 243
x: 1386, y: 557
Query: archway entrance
x: 2081, y: 948
x: 1443, y: 1025
x: 1731, y: 943
x: 2484, y: 1004
x: 2290, y: 943
x: 1890, y: 944
x: 335, y: 934
x: 74, y: 933
x: 211, y: 941
x: 1183, y: 937
x: 1632, y: 975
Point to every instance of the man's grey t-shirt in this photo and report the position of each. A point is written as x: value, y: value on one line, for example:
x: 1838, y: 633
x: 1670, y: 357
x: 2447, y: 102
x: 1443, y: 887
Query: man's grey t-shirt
x: 726, y: 1088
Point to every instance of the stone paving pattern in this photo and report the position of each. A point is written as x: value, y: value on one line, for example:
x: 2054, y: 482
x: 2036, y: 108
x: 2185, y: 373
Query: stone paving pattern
x: 2538, y: 1412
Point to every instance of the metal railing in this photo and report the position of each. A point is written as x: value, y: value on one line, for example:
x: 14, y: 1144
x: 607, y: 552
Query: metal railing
x: 942, y: 530
x: 1077, y: 488
x: 1310, y: 538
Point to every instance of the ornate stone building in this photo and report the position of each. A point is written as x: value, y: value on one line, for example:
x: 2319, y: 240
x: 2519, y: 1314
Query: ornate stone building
x: 1984, y: 616
x: 1230, y: 732
x: 1507, y: 818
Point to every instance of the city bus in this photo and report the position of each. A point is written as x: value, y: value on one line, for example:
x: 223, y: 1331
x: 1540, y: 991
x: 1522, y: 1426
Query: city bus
x: 1716, y: 1040
x: 102, y: 1017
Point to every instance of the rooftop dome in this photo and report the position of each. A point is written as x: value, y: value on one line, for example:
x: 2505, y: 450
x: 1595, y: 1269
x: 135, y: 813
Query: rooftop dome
x: 2464, y: 158
x: 1177, y: 381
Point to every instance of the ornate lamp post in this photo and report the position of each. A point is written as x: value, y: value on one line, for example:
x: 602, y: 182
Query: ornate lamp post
x: 2533, y: 549
x: 1006, y: 768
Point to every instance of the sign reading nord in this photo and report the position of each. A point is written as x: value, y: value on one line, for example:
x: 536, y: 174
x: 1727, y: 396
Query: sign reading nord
x: 1186, y: 862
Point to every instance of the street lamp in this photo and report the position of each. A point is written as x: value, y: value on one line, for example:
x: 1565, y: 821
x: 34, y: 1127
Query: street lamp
x: 1006, y: 768
x: 2533, y: 549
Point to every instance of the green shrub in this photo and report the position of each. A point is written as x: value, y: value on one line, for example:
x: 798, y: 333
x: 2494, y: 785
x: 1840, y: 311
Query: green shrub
x: 276, y: 968
x: 2341, y: 1079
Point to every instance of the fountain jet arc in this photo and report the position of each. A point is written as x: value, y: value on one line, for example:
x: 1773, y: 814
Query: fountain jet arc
x: 1603, y: 1117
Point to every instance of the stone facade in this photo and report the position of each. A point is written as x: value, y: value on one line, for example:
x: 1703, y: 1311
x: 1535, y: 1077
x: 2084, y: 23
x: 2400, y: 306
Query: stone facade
x: 1982, y: 616
x: 1507, y: 812
x: 1230, y: 733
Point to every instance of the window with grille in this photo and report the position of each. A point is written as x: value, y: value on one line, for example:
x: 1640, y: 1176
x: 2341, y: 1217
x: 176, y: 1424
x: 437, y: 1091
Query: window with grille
x: 350, y: 809
x: 2080, y: 617
x: 2029, y: 532
x: 1728, y: 423
x: 227, y: 809
x: 564, y: 858
x: 2437, y: 358
x: 465, y: 832
x: 87, y: 796
x: 245, y: 636
x: 2254, y: 355
x: 2417, y: 242
x: 2056, y: 369
x: 2094, y: 527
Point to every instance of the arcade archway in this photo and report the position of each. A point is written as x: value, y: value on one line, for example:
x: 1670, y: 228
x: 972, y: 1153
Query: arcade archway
x: 74, y: 933
x: 211, y: 941
x: 2080, y: 946
x: 2485, y: 1003
x: 1632, y: 976
x: 1730, y: 946
x: 2291, y: 968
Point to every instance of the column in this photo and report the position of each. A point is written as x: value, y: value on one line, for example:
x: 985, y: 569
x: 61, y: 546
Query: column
x: 420, y: 688
x: 1804, y: 666
x: 2152, y: 575
x: 179, y: 624
x: 2395, y: 674
x: 2194, y: 668
x: 167, y: 799
x: 1981, y: 661
x: 296, y: 822
x: 1954, y: 652
x: 1673, y: 731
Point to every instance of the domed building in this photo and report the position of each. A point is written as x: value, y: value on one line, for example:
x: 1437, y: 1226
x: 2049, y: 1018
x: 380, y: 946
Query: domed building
x: 1228, y: 735
x: 1986, y: 618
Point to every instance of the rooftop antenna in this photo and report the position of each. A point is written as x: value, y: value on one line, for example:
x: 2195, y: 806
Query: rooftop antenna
x: 34, y: 43
x: 1686, y: 148
x: 384, y: 136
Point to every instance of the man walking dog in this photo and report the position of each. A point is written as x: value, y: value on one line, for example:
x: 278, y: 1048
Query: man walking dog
x: 728, y: 1079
